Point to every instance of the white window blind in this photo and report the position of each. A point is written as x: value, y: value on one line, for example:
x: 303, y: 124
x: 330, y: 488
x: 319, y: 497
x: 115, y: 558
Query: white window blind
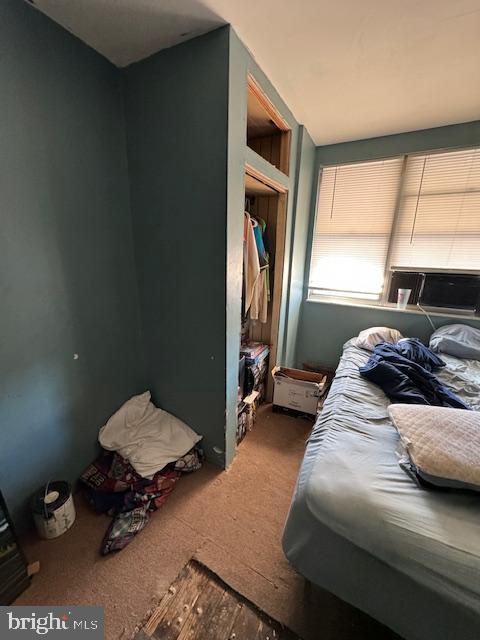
x: 356, y: 206
x: 438, y: 224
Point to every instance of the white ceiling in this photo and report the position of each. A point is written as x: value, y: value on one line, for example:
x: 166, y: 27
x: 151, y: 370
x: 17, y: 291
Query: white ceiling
x: 348, y: 69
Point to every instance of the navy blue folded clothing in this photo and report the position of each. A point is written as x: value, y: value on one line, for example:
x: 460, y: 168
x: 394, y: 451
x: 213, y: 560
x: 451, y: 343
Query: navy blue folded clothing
x: 414, y: 350
x: 404, y: 371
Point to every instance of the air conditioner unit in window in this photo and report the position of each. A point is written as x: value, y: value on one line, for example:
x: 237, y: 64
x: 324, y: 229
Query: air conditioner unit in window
x: 450, y: 291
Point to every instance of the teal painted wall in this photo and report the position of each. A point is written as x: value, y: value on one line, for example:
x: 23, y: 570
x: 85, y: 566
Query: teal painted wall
x: 177, y: 123
x: 122, y: 219
x: 187, y: 195
x: 122, y: 202
x: 304, y: 187
x: 67, y: 282
x: 325, y: 327
x: 237, y: 128
x: 455, y: 135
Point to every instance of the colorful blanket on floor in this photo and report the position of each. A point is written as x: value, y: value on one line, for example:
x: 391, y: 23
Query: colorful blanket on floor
x: 111, y: 485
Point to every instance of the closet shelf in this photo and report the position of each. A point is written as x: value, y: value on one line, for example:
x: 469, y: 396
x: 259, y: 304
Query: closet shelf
x: 261, y: 168
x: 255, y: 187
x: 268, y: 133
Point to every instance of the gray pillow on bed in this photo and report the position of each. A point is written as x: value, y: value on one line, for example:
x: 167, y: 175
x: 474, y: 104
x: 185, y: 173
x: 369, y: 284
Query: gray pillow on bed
x: 458, y: 340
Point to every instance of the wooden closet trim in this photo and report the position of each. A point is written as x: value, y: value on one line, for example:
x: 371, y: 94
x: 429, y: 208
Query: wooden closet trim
x: 281, y: 232
x: 267, y: 104
x: 270, y: 182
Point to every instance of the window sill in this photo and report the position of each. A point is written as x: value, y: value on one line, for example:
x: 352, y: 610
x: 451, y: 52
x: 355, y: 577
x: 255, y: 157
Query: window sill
x: 413, y: 309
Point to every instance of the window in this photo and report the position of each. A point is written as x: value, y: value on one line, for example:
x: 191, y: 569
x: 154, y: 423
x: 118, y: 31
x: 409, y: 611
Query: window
x: 416, y: 213
x: 356, y: 207
x: 439, y: 214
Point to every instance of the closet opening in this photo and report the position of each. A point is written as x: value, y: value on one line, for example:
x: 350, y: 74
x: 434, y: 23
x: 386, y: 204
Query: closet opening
x: 264, y: 249
x: 268, y: 134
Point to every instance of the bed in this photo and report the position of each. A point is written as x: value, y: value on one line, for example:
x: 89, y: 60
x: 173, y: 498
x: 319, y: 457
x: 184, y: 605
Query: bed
x: 361, y: 528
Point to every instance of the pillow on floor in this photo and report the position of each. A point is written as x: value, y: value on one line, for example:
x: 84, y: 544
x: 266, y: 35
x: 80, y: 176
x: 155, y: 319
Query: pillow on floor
x: 148, y: 437
x: 443, y: 444
x: 369, y: 338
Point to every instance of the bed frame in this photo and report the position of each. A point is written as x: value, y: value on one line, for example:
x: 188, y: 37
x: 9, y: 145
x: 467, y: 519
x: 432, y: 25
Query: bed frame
x: 389, y: 596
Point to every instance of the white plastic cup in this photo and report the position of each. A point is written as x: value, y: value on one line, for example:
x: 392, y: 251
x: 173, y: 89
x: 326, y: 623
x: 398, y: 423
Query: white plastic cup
x: 403, y: 296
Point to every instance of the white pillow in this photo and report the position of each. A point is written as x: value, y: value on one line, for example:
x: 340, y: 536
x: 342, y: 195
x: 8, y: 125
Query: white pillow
x: 443, y: 443
x: 458, y: 340
x: 148, y: 437
x: 369, y: 338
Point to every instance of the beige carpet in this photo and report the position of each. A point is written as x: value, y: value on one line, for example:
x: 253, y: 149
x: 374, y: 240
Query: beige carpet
x: 231, y: 521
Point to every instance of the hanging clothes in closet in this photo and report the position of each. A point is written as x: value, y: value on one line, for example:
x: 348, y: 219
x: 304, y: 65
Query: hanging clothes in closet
x: 251, y: 262
x: 255, y: 269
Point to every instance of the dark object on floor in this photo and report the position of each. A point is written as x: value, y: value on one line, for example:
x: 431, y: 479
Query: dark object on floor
x: 199, y: 605
x: 403, y: 372
x: 14, y: 577
x: 276, y: 408
x: 113, y: 486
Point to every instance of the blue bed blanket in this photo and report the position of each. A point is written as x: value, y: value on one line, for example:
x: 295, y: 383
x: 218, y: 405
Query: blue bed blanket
x: 404, y: 372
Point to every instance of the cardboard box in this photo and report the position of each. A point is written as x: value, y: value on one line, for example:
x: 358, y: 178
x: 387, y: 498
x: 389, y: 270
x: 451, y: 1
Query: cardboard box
x: 297, y: 390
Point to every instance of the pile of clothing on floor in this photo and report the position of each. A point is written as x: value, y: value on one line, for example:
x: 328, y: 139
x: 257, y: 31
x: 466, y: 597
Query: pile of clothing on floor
x: 145, y: 450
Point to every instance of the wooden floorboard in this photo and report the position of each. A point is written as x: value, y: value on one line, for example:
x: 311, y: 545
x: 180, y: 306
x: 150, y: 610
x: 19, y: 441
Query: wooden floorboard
x: 200, y: 606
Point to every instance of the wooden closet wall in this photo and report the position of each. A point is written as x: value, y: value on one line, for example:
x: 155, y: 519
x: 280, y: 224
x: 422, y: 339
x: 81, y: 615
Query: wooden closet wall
x: 268, y: 134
